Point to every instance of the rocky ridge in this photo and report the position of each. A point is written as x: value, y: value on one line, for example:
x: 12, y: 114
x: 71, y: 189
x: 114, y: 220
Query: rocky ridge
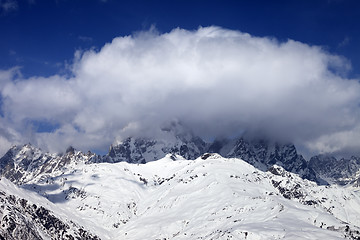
x: 23, y: 163
x: 210, y: 197
x: 65, y: 180
x: 337, y: 171
x: 23, y: 219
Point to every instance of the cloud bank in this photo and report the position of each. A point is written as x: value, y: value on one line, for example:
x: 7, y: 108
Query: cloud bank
x: 218, y: 82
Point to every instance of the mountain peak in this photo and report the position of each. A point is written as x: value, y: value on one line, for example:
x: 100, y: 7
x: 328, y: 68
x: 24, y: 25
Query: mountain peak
x: 332, y: 170
x: 173, y: 139
x: 70, y: 150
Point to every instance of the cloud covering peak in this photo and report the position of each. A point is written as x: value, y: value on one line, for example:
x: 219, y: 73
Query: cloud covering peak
x: 216, y: 81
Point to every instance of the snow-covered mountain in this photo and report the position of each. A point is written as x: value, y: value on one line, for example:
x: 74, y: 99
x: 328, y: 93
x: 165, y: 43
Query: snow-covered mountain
x: 208, y: 198
x: 185, y: 189
x: 264, y: 154
x: 178, y: 140
x: 24, y: 163
x: 24, y: 215
x: 337, y: 171
x: 142, y: 150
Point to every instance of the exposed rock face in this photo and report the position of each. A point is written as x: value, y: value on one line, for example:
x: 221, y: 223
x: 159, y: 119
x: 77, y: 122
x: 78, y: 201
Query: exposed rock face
x: 263, y: 155
x: 174, y: 140
x: 340, y: 171
x: 20, y: 219
x: 23, y: 163
x: 123, y: 197
x: 177, y: 140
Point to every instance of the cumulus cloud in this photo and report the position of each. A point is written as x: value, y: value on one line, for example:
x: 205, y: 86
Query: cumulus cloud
x: 216, y: 81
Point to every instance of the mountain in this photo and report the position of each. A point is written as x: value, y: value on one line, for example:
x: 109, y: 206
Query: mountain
x: 23, y: 163
x: 264, y: 154
x: 231, y: 189
x: 210, y: 197
x: 177, y: 139
x: 172, y: 139
x: 23, y: 217
x: 337, y: 171
x: 143, y: 150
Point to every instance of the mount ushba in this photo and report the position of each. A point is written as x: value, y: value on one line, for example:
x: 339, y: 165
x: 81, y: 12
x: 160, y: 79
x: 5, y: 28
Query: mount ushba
x: 176, y: 186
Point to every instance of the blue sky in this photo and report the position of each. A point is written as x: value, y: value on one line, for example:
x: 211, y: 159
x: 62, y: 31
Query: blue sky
x: 88, y: 73
x: 41, y: 36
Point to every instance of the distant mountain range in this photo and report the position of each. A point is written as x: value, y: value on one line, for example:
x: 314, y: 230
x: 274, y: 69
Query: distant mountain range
x: 262, y: 154
x: 147, y: 188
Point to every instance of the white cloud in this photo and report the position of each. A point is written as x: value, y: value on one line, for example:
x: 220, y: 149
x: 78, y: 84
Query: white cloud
x: 215, y: 80
x: 85, y: 38
x: 344, y: 42
x: 7, y: 6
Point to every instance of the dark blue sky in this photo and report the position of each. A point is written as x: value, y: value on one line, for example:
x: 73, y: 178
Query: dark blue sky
x: 41, y: 36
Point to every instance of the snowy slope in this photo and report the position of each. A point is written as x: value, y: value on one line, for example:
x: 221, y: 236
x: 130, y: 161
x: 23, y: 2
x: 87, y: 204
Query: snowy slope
x: 208, y: 198
x: 22, y: 163
x: 26, y: 215
x: 263, y: 154
x: 259, y: 153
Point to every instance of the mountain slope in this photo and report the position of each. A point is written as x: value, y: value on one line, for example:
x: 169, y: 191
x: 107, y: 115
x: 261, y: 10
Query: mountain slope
x: 23, y: 163
x: 177, y: 139
x: 263, y: 154
x: 22, y: 217
x: 208, y: 198
x: 258, y: 190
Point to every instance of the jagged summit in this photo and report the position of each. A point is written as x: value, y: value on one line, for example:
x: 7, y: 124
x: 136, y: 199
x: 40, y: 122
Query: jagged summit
x: 196, y: 189
x: 340, y: 171
x: 25, y: 162
x: 173, y: 138
x: 263, y: 154
x: 70, y: 150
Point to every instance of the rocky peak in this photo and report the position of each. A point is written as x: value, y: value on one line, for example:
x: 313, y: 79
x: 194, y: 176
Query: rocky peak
x: 173, y: 139
x: 263, y: 154
x: 23, y: 163
x: 23, y: 219
x: 340, y: 171
x: 70, y: 150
